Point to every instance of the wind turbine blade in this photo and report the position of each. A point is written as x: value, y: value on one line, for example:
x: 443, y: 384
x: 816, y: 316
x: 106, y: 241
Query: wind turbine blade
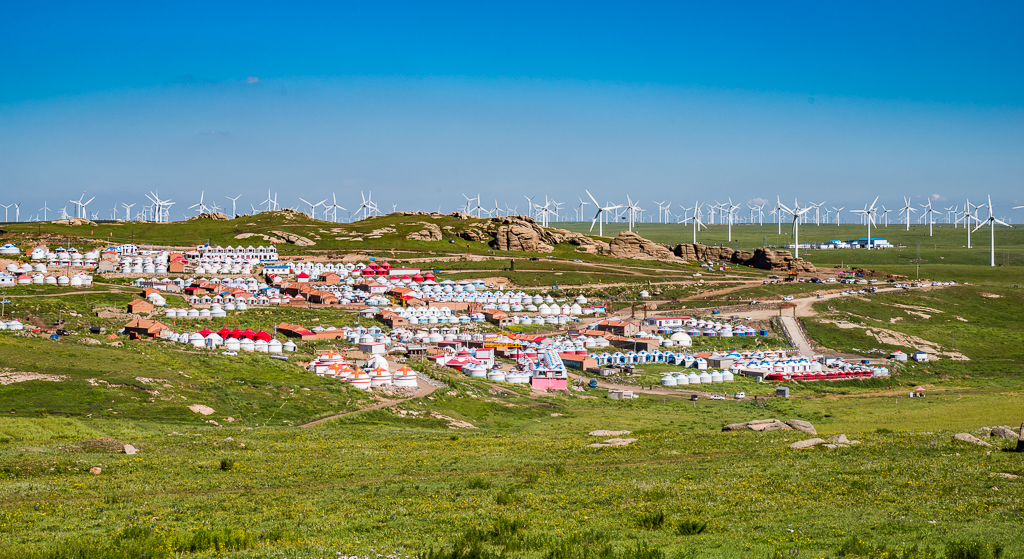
x: 591, y: 197
x: 980, y: 225
x: 1000, y: 222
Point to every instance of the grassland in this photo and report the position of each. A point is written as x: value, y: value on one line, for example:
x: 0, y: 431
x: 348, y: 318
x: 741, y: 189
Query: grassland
x: 523, y: 483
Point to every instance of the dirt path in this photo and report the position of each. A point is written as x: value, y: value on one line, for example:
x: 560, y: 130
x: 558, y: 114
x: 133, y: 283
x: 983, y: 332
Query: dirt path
x: 423, y: 391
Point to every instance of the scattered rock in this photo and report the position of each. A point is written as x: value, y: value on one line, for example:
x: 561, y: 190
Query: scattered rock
x: 969, y: 438
x: 95, y: 471
x: 613, y: 442
x: 199, y: 408
x: 452, y: 422
x: 11, y: 377
x: 809, y: 443
x: 1006, y: 475
x: 89, y: 341
x: 801, y: 425
x: 130, y: 450
x: 603, y: 433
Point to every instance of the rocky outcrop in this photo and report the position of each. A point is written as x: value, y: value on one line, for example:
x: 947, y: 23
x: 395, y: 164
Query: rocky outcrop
x: 294, y: 239
x: 474, y: 234
x: 630, y: 245
x: 516, y: 236
x: 762, y: 258
x: 430, y: 232
x: 74, y: 221
x: 215, y: 216
x: 462, y: 216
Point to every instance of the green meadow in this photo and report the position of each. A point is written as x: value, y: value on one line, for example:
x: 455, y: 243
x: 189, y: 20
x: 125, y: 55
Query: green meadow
x: 476, y: 470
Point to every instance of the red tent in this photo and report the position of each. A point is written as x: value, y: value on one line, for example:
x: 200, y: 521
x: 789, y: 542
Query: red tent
x: 205, y: 332
x: 236, y: 333
x: 224, y: 333
x: 261, y: 335
x: 429, y: 277
x: 417, y: 278
x: 248, y: 334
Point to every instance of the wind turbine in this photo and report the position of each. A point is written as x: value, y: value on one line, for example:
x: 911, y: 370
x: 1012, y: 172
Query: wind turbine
x: 597, y: 216
x: 579, y: 216
x: 200, y: 207
x: 234, y: 214
x: 869, y: 217
x: 631, y: 210
x: 907, y: 210
x: 270, y: 202
x: 695, y: 218
x: 796, y: 212
x: 334, y: 207
x: 127, y: 211
x: 837, y: 210
x: 468, y: 202
x: 368, y: 206
x: 992, y: 221
x: 7, y: 207
x: 662, y: 206
x: 44, y: 209
x: 730, y: 208
x: 312, y: 207
x: 885, y: 215
x: 928, y: 211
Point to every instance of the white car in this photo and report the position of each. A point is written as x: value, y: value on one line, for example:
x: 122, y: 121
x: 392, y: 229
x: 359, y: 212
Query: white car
x: 229, y: 353
x: 787, y: 298
x: 717, y: 397
x: 740, y: 395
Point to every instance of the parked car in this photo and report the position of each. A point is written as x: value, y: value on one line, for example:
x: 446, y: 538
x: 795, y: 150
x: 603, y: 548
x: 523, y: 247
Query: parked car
x: 229, y: 353
x: 787, y: 298
x: 717, y: 397
x: 740, y: 395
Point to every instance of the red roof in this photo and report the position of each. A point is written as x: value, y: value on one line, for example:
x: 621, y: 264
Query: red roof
x: 236, y: 333
x: 303, y: 275
x: 248, y: 334
x: 261, y: 335
x: 205, y: 332
x: 224, y: 333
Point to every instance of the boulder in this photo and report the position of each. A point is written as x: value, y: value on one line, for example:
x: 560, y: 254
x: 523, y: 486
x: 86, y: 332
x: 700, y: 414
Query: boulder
x: 801, y: 425
x: 969, y: 438
x: 773, y: 425
x: 95, y: 471
x: 130, y: 450
x: 1003, y: 432
x: 630, y: 245
x: 604, y: 433
x: 809, y: 443
x: 430, y: 232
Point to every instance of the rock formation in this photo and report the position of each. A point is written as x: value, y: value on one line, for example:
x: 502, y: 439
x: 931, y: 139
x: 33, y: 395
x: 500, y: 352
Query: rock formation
x: 762, y: 258
x: 216, y: 216
x: 74, y: 221
x: 430, y: 232
x: 630, y: 245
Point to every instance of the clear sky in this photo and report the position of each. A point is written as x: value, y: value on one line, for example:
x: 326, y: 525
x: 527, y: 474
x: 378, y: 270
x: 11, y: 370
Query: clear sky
x: 420, y: 102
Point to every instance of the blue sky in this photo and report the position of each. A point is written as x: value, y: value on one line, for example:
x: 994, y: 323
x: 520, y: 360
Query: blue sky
x: 419, y: 102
